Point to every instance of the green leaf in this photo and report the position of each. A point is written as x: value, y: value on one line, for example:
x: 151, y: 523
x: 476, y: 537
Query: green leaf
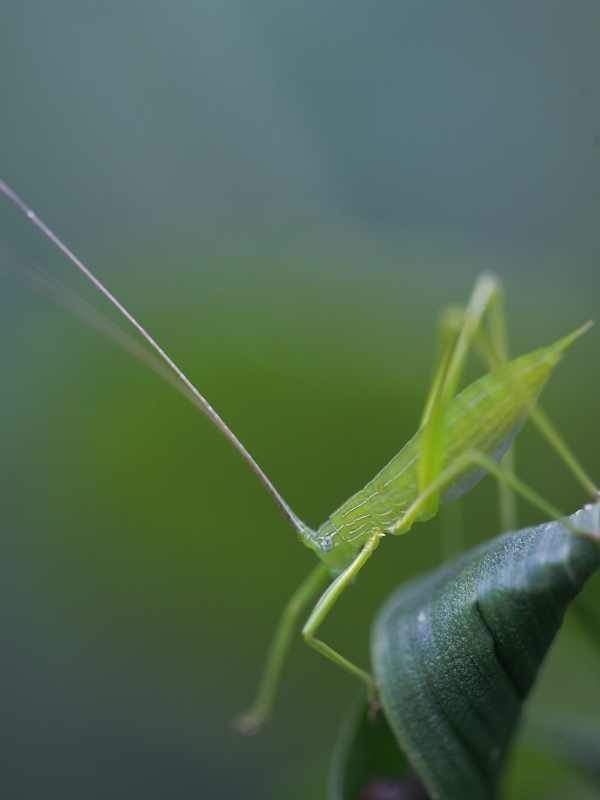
x: 455, y: 653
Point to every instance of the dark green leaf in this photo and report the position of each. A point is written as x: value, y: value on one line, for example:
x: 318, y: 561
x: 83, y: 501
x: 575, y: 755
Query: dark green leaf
x: 455, y: 653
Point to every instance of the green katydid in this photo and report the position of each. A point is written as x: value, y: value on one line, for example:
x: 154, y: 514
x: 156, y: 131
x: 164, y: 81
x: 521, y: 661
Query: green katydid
x: 461, y: 438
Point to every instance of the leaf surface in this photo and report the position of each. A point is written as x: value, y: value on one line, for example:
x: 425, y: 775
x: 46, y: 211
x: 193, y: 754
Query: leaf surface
x: 456, y: 652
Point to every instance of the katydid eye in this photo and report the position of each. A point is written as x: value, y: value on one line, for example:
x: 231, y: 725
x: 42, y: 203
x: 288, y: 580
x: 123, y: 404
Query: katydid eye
x: 327, y: 543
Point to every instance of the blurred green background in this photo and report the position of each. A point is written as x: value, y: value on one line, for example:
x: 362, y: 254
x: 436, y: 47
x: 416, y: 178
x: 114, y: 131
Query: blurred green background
x: 285, y: 194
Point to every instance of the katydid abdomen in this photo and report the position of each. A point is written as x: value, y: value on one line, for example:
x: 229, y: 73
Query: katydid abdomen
x: 485, y: 417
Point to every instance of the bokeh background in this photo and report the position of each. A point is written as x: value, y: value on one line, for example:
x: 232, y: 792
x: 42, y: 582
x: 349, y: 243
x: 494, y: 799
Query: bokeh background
x: 285, y: 194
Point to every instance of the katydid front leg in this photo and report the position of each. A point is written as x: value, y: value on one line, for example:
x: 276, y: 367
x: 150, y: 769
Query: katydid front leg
x: 252, y: 720
x: 324, y: 605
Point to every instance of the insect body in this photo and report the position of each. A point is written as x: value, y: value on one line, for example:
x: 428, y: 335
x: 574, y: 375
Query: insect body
x: 461, y: 438
x: 485, y: 417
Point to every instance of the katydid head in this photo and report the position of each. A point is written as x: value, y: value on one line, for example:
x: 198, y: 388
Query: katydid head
x: 334, y: 552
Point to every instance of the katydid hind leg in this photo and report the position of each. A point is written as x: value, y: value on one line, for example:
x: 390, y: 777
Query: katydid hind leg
x: 494, y: 353
x: 458, y: 467
x: 564, y: 452
x: 485, y: 301
x: 458, y: 328
x: 462, y: 329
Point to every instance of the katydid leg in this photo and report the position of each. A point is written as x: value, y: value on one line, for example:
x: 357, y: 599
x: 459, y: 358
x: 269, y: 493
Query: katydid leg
x: 476, y: 458
x: 485, y: 301
x: 494, y: 355
x: 564, y: 452
x: 498, y: 356
x: 324, y: 605
x: 253, y: 719
x: 460, y: 330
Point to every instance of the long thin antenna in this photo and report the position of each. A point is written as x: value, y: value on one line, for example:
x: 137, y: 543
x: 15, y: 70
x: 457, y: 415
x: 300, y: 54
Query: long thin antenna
x: 202, y: 403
